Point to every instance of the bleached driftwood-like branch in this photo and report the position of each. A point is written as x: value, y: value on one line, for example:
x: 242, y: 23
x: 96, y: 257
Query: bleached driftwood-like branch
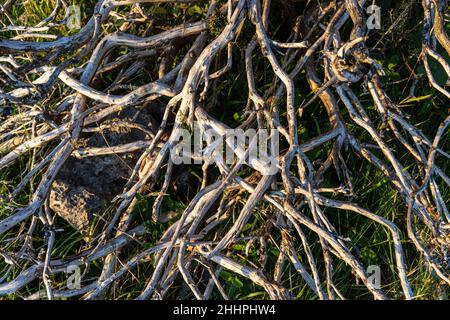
x: 296, y: 195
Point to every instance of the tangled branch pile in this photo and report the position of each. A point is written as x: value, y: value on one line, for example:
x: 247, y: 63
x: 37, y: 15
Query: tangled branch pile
x: 154, y: 77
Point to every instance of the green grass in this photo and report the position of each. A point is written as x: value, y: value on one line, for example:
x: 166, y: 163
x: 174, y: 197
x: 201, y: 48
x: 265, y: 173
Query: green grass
x: 372, y: 243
